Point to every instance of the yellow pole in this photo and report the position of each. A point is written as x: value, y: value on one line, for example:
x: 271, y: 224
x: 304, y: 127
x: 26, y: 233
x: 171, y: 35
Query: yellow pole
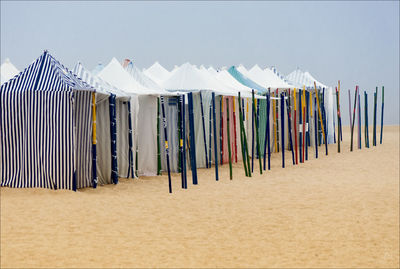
x: 94, y: 118
x: 311, y: 104
x: 319, y: 112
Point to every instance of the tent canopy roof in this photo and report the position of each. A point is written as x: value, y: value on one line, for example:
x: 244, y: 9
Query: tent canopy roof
x: 157, y: 73
x: 300, y: 78
x: 7, y: 71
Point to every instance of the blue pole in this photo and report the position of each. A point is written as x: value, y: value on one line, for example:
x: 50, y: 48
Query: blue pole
x: 283, y: 129
x: 252, y: 134
x: 166, y: 143
x: 383, y: 104
x: 316, y: 127
x: 113, y: 136
x: 182, y: 143
x: 268, y: 132
x: 300, y: 127
x: 215, y: 137
x: 307, y: 121
x: 289, y: 116
x: 192, y: 139
x: 204, y: 128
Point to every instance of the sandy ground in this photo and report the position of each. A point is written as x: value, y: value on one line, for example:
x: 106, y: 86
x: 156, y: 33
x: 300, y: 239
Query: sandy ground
x: 340, y: 210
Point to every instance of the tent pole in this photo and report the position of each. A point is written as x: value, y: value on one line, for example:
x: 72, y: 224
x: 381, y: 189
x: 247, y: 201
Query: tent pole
x: 252, y: 132
x: 268, y: 129
x: 209, y: 136
x: 158, y: 138
x: 234, y: 127
x: 354, y: 117
x: 383, y: 104
x: 338, y: 118
x: 257, y: 131
x: 289, y: 117
x: 241, y: 134
x: 94, y: 141
x: 229, y: 140
x: 374, y: 126
x: 321, y: 120
x: 316, y: 126
x: 204, y: 128
x: 283, y: 129
x: 166, y: 142
x: 215, y: 136
x: 359, y: 121
x: 113, y: 136
x: 295, y: 122
x: 301, y: 126
x: 192, y: 139
x: 221, y: 116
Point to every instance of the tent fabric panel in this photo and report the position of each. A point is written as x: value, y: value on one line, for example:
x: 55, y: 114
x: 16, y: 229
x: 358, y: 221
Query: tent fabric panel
x: 122, y: 138
x: 147, y: 135
x: 171, y: 114
x: 83, y: 140
x: 103, y: 142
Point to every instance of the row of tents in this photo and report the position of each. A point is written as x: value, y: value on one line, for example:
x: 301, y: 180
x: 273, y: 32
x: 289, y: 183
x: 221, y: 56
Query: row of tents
x: 70, y: 129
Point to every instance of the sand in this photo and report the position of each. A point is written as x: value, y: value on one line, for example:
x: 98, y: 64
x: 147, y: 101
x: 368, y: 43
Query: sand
x: 340, y: 210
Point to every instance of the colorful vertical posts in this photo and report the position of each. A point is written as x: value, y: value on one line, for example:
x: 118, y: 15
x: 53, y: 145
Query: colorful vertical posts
x: 374, y: 127
x: 338, y: 118
x: 113, y: 136
x: 301, y: 126
x: 257, y: 134
x: 366, y: 133
x: 94, y: 142
x: 164, y: 120
x: 229, y: 139
x: 316, y: 126
x: 243, y: 138
x: 204, y: 128
x: 383, y: 103
x: 353, y: 119
x: 158, y: 138
x: 192, y: 139
x: 234, y: 128
x: 321, y: 120
x: 182, y: 142
x: 283, y: 128
x: 295, y: 123
x: 289, y: 116
x: 215, y: 136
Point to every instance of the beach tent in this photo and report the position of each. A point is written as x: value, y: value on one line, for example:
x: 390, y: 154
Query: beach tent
x: 188, y: 78
x: 157, y: 73
x: 97, y: 69
x: 7, y: 71
x: 110, y: 126
x: 267, y: 78
x: 243, y: 79
x: 300, y: 78
x: 140, y: 77
x: 144, y: 110
x: 46, y: 128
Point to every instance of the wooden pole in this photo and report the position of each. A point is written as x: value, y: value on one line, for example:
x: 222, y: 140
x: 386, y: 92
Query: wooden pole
x: 383, y: 103
x: 295, y: 123
x: 353, y: 120
x: 321, y: 121
x: 166, y: 143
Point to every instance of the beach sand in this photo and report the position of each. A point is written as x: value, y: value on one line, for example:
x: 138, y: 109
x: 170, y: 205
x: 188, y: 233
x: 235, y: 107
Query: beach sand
x: 340, y: 210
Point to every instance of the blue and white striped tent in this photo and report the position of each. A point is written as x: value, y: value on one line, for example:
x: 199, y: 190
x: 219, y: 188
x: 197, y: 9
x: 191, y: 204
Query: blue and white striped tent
x: 46, y: 128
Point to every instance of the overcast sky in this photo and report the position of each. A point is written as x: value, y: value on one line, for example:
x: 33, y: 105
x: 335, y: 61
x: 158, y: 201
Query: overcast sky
x: 356, y: 42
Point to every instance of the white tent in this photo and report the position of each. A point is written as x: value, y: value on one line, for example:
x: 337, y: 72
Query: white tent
x: 7, y: 71
x: 97, y: 69
x: 157, y: 73
x: 267, y: 78
x: 144, y: 110
x: 141, y: 78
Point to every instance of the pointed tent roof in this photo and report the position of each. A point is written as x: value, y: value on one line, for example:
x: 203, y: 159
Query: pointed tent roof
x: 47, y: 74
x: 300, y: 78
x: 212, y: 71
x: 140, y: 77
x: 267, y: 78
x: 97, y: 69
x: 189, y: 78
x: 96, y: 82
x: 116, y: 75
x: 245, y: 80
x: 241, y: 68
x: 7, y: 71
x: 228, y: 79
x: 157, y: 73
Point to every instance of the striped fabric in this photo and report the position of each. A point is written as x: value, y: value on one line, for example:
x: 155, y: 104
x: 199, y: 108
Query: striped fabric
x: 39, y: 146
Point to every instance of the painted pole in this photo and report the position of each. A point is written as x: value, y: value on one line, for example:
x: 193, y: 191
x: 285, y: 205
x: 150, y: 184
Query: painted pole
x: 166, y: 142
x: 221, y: 130
x: 252, y: 132
x: 307, y: 123
x: 204, y: 128
x: 374, y: 127
x: 274, y: 121
x: 192, y: 139
x: 338, y: 117
x: 183, y: 143
x: 246, y: 148
x: 316, y: 127
x: 383, y: 103
x: 321, y: 120
x: 210, y: 136
x: 234, y: 128
x: 366, y: 138
x: 241, y: 114
x: 229, y: 139
x: 301, y: 126
x: 94, y: 142
x: 289, y: 116
x: 283, y: 129
x: 266, y: 134
x: 295, y: 123
x: 303, y: 105
x: 268, y: 129
x: 113, y: 136
x: 359, y: 121
x: 257, y: 134
x: 340, y: 113
x: 277, y: 120
x: 353, y: 120
x: 215, y: 136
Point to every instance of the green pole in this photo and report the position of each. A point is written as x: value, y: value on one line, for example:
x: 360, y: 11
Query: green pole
x: 257, y: 134
x: 354, y: 119
x: 229, y: 140
x: 246, y: 148
x: 241, y: 135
